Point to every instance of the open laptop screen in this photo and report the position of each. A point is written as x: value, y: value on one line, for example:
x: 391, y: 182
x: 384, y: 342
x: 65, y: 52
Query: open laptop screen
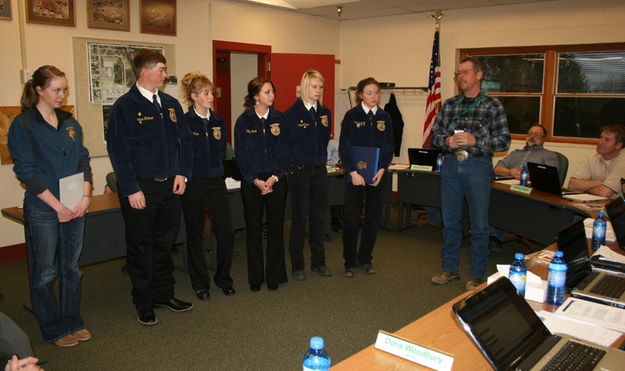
x: 423, y: 156
x: 616, y: 213
x: 544, y: 178
x: 501, y: 323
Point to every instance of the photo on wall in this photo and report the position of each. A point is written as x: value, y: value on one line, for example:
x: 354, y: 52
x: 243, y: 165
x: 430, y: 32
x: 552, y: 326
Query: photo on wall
x: 108, y: 14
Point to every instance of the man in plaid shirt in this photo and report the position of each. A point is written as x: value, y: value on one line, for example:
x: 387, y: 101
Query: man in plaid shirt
x: 469, y: 128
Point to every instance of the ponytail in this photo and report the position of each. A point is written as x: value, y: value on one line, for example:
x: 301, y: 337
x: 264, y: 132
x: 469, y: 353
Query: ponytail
x: 29, y: 96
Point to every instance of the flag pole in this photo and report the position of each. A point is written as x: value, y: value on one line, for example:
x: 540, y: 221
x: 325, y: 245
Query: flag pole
x: 434, y: 95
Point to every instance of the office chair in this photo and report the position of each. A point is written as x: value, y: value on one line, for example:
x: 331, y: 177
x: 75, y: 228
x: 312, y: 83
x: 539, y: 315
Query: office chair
x: 563, y: 167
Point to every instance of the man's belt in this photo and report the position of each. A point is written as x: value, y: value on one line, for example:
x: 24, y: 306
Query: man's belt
x: 461, y: 155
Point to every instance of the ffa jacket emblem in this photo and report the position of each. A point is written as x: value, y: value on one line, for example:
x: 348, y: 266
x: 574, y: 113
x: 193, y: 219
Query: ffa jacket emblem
x: 71, y: 132
x: 275, y: 129
x: 360, y: 124
x: 381, y: 125
x: 172, y: 115
x: 324, y: 120
x: 217, y: 133
x: 361, y: 165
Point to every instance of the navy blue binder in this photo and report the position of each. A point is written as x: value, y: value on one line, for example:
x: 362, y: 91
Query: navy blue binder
x: 366, y: 161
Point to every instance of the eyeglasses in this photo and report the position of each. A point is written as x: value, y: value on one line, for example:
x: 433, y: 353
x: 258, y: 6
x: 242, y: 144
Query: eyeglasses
x: 536, y: 134
x: 463, y: 72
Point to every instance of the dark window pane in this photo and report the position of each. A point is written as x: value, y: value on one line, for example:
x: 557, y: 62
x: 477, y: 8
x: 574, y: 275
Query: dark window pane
x: 599, y: 72
x: 512, y: 73
x: 584, y: 117
x: 522, y: 112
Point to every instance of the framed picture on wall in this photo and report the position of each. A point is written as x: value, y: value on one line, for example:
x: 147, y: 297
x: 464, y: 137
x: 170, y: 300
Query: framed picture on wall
x: 58, y: 12
x: 5, y: 9
x: 108, y: 14
x: 158, y: 17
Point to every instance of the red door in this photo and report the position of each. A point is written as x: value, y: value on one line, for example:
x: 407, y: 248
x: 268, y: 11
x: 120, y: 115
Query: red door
x: 286, y: 73
x: 222, y: 91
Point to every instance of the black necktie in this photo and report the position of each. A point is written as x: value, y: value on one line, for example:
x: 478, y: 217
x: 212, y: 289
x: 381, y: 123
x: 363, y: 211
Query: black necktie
x: 370, y: 116
x: 313, y: 113
x: 155, y: 102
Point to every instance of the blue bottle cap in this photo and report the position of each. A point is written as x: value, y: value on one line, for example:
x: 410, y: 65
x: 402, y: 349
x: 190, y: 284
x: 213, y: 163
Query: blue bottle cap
x: 519, y: 256
x: 601, y: 215
x: 559, y: 254
x: 316, y: 342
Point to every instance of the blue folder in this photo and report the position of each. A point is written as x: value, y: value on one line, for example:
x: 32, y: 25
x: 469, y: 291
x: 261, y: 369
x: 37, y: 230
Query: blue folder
x: 366, y: 161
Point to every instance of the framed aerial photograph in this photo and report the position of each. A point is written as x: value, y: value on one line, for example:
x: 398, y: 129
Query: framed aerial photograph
x: 5, y: 9
x: 158, y: 17
x: 58, y: 12
x: 108, y: 14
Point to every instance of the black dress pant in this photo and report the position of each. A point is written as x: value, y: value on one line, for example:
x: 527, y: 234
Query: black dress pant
x: 307, y: 191
x: 201, y: 195
x: 274, y: 271
x: 354, y: 197
x: 150, y: 235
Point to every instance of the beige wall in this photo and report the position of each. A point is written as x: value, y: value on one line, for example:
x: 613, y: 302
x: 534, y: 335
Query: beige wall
x: 398, y: 49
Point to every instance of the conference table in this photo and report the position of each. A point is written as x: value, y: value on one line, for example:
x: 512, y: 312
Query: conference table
x: 440, y: 331
x: 536, y: 216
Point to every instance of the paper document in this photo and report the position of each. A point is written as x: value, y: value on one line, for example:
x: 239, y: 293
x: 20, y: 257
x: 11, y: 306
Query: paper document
x: 398, y: 167
x: 598, y: 314
x: 584, y: 197
x: 508, y: 181
x: 609, y: 231
x: 607, y: 253
x: 579, y: 329
x: 232, y: 184
x: 70, y: 190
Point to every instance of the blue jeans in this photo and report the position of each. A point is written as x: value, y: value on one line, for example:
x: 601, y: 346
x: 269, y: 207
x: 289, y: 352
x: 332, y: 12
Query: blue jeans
x: 54, y: 248
x: 468, y: 180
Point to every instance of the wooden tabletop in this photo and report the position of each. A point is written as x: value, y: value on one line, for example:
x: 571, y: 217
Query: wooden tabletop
x: 99, y: 204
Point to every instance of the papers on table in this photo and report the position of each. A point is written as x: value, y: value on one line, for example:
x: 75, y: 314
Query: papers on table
x: 70, y: 190
x: 508, y: 181
x: 579, y: 329
x: 583, y: 197
x: 606, y: 253
x: 398, y: 167
x: 232, y: 184
x: 609, y: 231
x: 594, y: 313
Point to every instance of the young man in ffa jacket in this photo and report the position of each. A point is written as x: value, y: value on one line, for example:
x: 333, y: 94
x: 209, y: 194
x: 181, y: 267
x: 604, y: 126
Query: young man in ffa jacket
x: 149, y: 146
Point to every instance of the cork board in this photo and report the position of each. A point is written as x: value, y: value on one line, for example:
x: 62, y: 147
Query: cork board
x: 92, y: 102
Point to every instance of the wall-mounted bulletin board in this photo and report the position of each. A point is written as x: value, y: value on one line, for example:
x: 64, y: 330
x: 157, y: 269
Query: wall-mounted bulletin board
x: 103, y: 73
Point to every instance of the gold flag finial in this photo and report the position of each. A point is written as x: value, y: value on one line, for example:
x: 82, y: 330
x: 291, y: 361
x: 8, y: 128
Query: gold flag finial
x: 437, y: 18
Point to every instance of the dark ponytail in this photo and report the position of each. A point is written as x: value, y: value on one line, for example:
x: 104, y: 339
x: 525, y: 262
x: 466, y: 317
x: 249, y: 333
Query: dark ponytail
x: 41, y: 77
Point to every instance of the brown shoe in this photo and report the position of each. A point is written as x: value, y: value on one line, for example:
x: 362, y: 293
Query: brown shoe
x: 67, y: 341
x: 444, y: 277
x: 82, y: 335
x: 473, y: 283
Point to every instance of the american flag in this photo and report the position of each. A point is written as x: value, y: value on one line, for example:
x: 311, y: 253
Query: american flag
x: 434, y: 94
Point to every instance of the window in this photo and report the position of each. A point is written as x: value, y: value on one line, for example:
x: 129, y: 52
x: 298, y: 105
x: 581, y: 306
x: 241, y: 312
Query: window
x: 572, y: 90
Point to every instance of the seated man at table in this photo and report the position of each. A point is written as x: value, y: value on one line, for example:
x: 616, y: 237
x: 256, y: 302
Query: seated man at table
x: 511, y: 165
x: 600, y: 173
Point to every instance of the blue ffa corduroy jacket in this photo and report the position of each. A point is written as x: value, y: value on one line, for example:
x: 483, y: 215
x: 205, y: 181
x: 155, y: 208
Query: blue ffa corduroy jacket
x: 209, y: 144
x: 356, y: 131
x: 258, y: 149
x: 308, y: 138
x: 142, y: 143
x: 61, y: 153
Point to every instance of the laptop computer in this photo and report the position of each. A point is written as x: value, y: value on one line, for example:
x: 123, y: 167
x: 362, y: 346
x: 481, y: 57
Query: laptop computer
x: 511, y: 336
x: 586, y: 279
x: 423, y: 156
x: 544, y: 178
x: 616, y: 213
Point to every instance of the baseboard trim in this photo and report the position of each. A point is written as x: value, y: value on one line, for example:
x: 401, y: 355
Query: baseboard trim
x: 12, y: 253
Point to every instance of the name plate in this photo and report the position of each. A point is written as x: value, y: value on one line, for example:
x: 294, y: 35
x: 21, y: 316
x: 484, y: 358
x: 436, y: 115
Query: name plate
x: 520, y: 188
x: 415, y: 353
x: 420, y: 167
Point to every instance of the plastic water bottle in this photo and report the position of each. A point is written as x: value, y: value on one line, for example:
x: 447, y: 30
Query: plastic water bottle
x: 524, y: 176
x: 598, y: 232
x: 439, y: 162
x: 556, y: 283
x: 518, y: 272
x: 316, y: 358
